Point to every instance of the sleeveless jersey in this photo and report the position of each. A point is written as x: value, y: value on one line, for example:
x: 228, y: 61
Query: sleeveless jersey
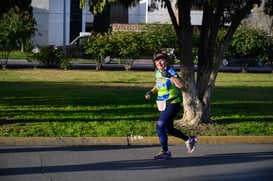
x: 166, y: 89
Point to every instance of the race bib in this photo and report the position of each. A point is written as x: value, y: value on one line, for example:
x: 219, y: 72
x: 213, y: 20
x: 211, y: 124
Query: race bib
x: 161, y: 105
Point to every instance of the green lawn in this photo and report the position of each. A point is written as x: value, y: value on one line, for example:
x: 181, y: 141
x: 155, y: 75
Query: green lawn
x: 111, y: 103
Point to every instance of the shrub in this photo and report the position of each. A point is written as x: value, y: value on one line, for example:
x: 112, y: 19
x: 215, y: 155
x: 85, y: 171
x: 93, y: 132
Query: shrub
x: 158, y: 36
x: 153, y: 38
x: 48, y: 56
x: 131, y: 45
x: 252, y: 42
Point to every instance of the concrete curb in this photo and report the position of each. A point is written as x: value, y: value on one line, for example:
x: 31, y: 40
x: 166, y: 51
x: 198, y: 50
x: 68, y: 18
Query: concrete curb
x: 134, y: 140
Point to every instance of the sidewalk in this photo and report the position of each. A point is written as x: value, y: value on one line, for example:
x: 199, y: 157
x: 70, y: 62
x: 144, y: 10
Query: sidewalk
x: 134, y: 140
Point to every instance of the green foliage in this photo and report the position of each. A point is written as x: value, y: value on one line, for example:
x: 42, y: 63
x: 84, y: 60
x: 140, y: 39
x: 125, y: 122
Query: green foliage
x: 158, y: 36
x: 268, y: 56
x: 116, y: 44
x: 5, y: 50
x: 9, y: 25
x: 252, y: 42
x: 124, y: 45
x: 48, y: 56
x: 128, y: 44
x: 17, y: 54
x: 132, y: 45
x: 99, y: 45
x: 248, y: 42
x: 16, y: 26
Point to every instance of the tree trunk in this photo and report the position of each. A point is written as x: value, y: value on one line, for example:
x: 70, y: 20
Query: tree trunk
x: 22, y: 45
x: 197, y: 109
x: 197, y: 93
x: 193, y: 108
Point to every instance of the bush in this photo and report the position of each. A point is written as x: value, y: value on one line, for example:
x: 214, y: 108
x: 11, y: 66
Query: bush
x: 49, y: 56
x: 5, y: 50
x: 99, y: 46
x: 158, y: 36
x: 153, y: 38
x: 252, y: 42
x: 131, y: 45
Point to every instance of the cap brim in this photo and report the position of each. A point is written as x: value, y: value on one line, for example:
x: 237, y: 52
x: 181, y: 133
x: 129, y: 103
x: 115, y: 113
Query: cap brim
x: 160, y: 57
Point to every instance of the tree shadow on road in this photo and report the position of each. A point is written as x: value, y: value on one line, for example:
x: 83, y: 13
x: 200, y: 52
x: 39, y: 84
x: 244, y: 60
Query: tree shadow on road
x: 136, y: 164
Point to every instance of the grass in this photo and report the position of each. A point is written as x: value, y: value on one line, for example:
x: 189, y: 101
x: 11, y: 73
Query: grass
x: 17, y: 54
x: 111, y: 103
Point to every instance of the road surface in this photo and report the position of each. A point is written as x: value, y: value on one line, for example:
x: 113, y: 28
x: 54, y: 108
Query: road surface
x: 209, y: 162
x: 140, y: 64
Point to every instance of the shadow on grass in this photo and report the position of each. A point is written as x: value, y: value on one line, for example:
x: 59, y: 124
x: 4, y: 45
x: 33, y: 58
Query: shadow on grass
x: 40, y: 101
x: 70, y: 94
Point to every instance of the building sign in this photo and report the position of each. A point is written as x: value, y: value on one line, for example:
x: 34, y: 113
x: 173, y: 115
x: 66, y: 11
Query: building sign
x: 126, y: 27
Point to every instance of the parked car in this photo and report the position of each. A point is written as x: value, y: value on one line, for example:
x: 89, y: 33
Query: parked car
x: 243, y: 61
x: 76, y: 48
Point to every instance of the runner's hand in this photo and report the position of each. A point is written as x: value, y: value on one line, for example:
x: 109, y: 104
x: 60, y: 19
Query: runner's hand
x: 166, y: 74
x: 148, y: 95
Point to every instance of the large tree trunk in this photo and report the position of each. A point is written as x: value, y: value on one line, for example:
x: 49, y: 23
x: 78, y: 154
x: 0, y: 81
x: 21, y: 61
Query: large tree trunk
x: 197, y: 108
x: 193, y: 107
x: 197, y: 92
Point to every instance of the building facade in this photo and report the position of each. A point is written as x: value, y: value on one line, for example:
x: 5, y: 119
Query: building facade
x: 60, y: 21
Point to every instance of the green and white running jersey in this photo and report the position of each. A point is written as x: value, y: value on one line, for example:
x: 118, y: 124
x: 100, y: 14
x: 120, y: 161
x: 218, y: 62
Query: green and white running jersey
x: 166, y: 89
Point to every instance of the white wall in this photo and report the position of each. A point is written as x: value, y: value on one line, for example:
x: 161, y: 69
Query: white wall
x: 49, y: 18
x: 196, y: 17
x: 87, y: 16
x: 40, y: 13
x: 55, y: 26
x: 138, y: 14
x: 160, y: 15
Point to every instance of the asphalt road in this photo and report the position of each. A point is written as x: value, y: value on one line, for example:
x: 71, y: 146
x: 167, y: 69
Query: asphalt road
x: 140, y: 64
x: 209, y: 162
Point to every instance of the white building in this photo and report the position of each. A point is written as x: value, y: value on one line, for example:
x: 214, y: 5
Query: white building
x: 143, y: 14
x: 51, y: 21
